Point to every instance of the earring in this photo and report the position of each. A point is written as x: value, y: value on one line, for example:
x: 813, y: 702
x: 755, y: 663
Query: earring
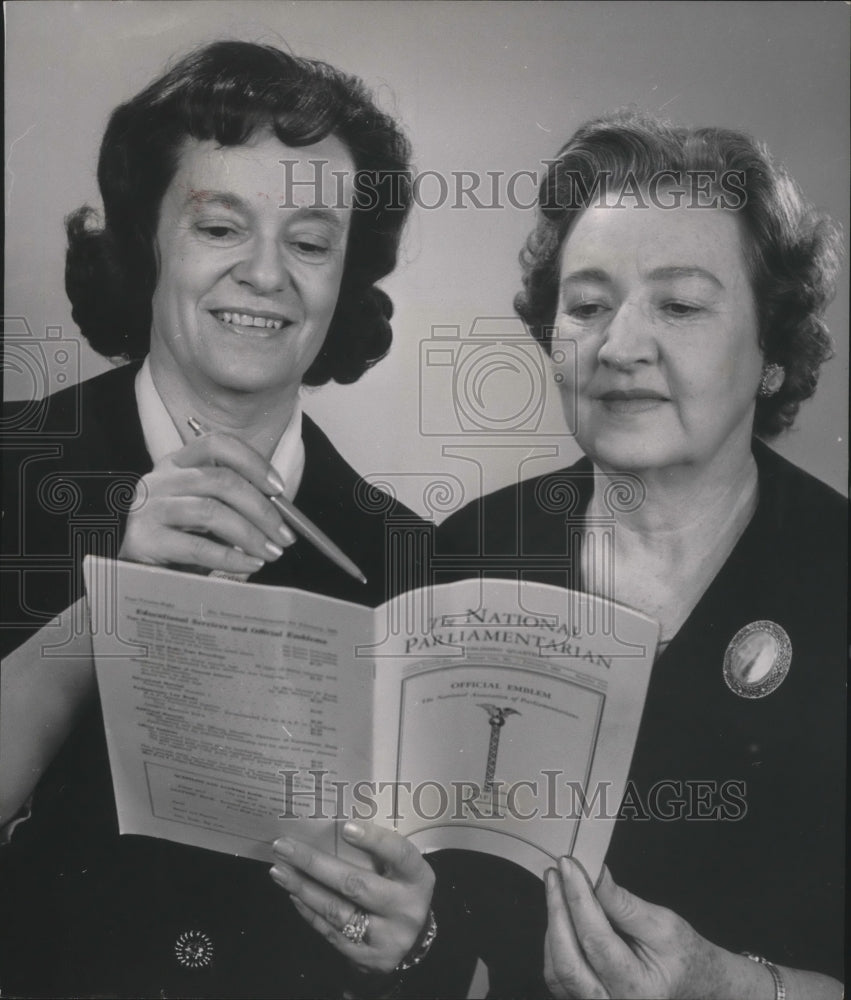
x: 772, y: 378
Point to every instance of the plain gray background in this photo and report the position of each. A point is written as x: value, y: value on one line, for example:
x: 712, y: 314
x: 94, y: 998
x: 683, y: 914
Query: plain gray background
x: 480, y: 87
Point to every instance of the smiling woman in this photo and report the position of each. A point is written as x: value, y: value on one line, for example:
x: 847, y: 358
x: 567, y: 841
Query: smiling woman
x: 234, y: 264
x: 247, y: 288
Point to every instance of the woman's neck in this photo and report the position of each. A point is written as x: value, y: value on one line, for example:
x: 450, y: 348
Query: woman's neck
x: 679, y: 507
x: 256, y: 419
x: 666, y: 552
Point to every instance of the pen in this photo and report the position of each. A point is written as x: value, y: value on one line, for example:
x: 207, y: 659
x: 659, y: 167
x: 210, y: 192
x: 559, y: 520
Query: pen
x: 303, y: 525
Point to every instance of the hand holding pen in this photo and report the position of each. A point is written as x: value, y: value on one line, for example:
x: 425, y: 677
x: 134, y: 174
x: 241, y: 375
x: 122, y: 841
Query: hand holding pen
x: 301, y: 523
x: 206, y: 507
x: 216, y: 504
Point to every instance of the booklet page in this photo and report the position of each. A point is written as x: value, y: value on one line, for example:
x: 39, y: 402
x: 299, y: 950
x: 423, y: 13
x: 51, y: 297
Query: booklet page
x: 518, y: 708
x: 223, y: 703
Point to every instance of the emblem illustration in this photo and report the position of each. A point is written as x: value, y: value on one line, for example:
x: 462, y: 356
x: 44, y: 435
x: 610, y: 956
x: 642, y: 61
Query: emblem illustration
x: 496, y: 718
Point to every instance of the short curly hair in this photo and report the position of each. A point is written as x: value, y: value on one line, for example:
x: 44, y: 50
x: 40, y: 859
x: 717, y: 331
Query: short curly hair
x: 228, y: 92
x: 793, y: 252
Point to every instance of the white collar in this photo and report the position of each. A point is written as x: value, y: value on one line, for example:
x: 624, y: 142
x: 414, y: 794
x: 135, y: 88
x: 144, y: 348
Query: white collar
x: 162, y: 437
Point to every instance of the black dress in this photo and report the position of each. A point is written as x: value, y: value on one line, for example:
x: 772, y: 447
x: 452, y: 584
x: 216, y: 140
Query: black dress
x: 89, y: 913
x: 735, y: 810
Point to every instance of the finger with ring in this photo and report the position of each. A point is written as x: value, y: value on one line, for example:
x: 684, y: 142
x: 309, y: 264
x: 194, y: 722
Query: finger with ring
x: 357, y: 926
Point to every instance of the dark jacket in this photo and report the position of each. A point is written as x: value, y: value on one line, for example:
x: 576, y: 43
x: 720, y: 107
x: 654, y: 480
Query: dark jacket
x: 753, y: 852
x: 89, y: 913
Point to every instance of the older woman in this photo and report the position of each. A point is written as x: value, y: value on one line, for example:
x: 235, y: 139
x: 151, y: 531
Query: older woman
x: 251, y: 202
x: 678, y: 281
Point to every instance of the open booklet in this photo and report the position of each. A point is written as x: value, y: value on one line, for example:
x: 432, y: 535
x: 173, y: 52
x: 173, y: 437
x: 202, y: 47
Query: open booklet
x: 489, y: 715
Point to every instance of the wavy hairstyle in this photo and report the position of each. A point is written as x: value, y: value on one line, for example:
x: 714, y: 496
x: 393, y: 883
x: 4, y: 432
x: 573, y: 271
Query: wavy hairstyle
x: 228, y: 92
x: 793, y: 252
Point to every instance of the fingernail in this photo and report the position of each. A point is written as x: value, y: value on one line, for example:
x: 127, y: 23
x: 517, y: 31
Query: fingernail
x: 353, y: 831
x: 275, y: 481
x: 281, y: 875
x: 283, y: 847
x: 286, y: 534
x: 564, y: 866
x: 255, y: 562
x: 550, y: 876
x: 276, y: 550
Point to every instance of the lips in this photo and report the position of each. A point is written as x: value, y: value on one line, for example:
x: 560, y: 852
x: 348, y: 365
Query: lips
x: 630, y: 394
x: 630, y: 401
x: 248, y: 319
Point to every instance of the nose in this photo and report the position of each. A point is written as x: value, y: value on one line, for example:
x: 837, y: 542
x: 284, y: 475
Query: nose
x: 263, y: 268
x: 627, y: 338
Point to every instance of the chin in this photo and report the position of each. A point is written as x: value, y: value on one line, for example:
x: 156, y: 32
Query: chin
x: 234, y: 380
x: 625, y: 455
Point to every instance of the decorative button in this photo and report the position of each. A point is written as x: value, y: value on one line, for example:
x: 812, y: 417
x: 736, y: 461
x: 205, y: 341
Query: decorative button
x: 757, y: 659
x: 193, y: 949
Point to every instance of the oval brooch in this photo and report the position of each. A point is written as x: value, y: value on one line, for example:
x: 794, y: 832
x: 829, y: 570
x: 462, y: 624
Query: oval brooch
x: 757, y: 659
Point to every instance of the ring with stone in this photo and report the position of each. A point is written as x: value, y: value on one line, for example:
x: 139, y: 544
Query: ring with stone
x: 355, y: 930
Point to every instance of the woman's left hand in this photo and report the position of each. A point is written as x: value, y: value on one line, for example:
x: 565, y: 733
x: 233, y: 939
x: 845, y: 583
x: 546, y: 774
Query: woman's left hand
x: 610, y: 943
x: 328, y: 892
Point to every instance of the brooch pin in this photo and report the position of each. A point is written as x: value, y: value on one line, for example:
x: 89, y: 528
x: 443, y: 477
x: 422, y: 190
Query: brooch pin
x: 757, y: 659
x: 193, y: 949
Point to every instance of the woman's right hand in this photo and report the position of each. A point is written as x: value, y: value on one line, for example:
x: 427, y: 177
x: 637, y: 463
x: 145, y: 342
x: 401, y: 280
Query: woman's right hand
x: 206, y: 507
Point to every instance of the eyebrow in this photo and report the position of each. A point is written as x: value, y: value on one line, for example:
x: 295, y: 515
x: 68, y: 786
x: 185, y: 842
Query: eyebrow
x: 657, y: 274
x: 667, y: 273
x: 231, y: 200
x: 587, y: 274
x: 227, y: 199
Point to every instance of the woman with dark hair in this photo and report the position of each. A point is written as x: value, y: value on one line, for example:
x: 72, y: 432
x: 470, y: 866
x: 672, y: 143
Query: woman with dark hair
x: 678, y: 281
x: 251, y: 202
x: 229, y: 93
